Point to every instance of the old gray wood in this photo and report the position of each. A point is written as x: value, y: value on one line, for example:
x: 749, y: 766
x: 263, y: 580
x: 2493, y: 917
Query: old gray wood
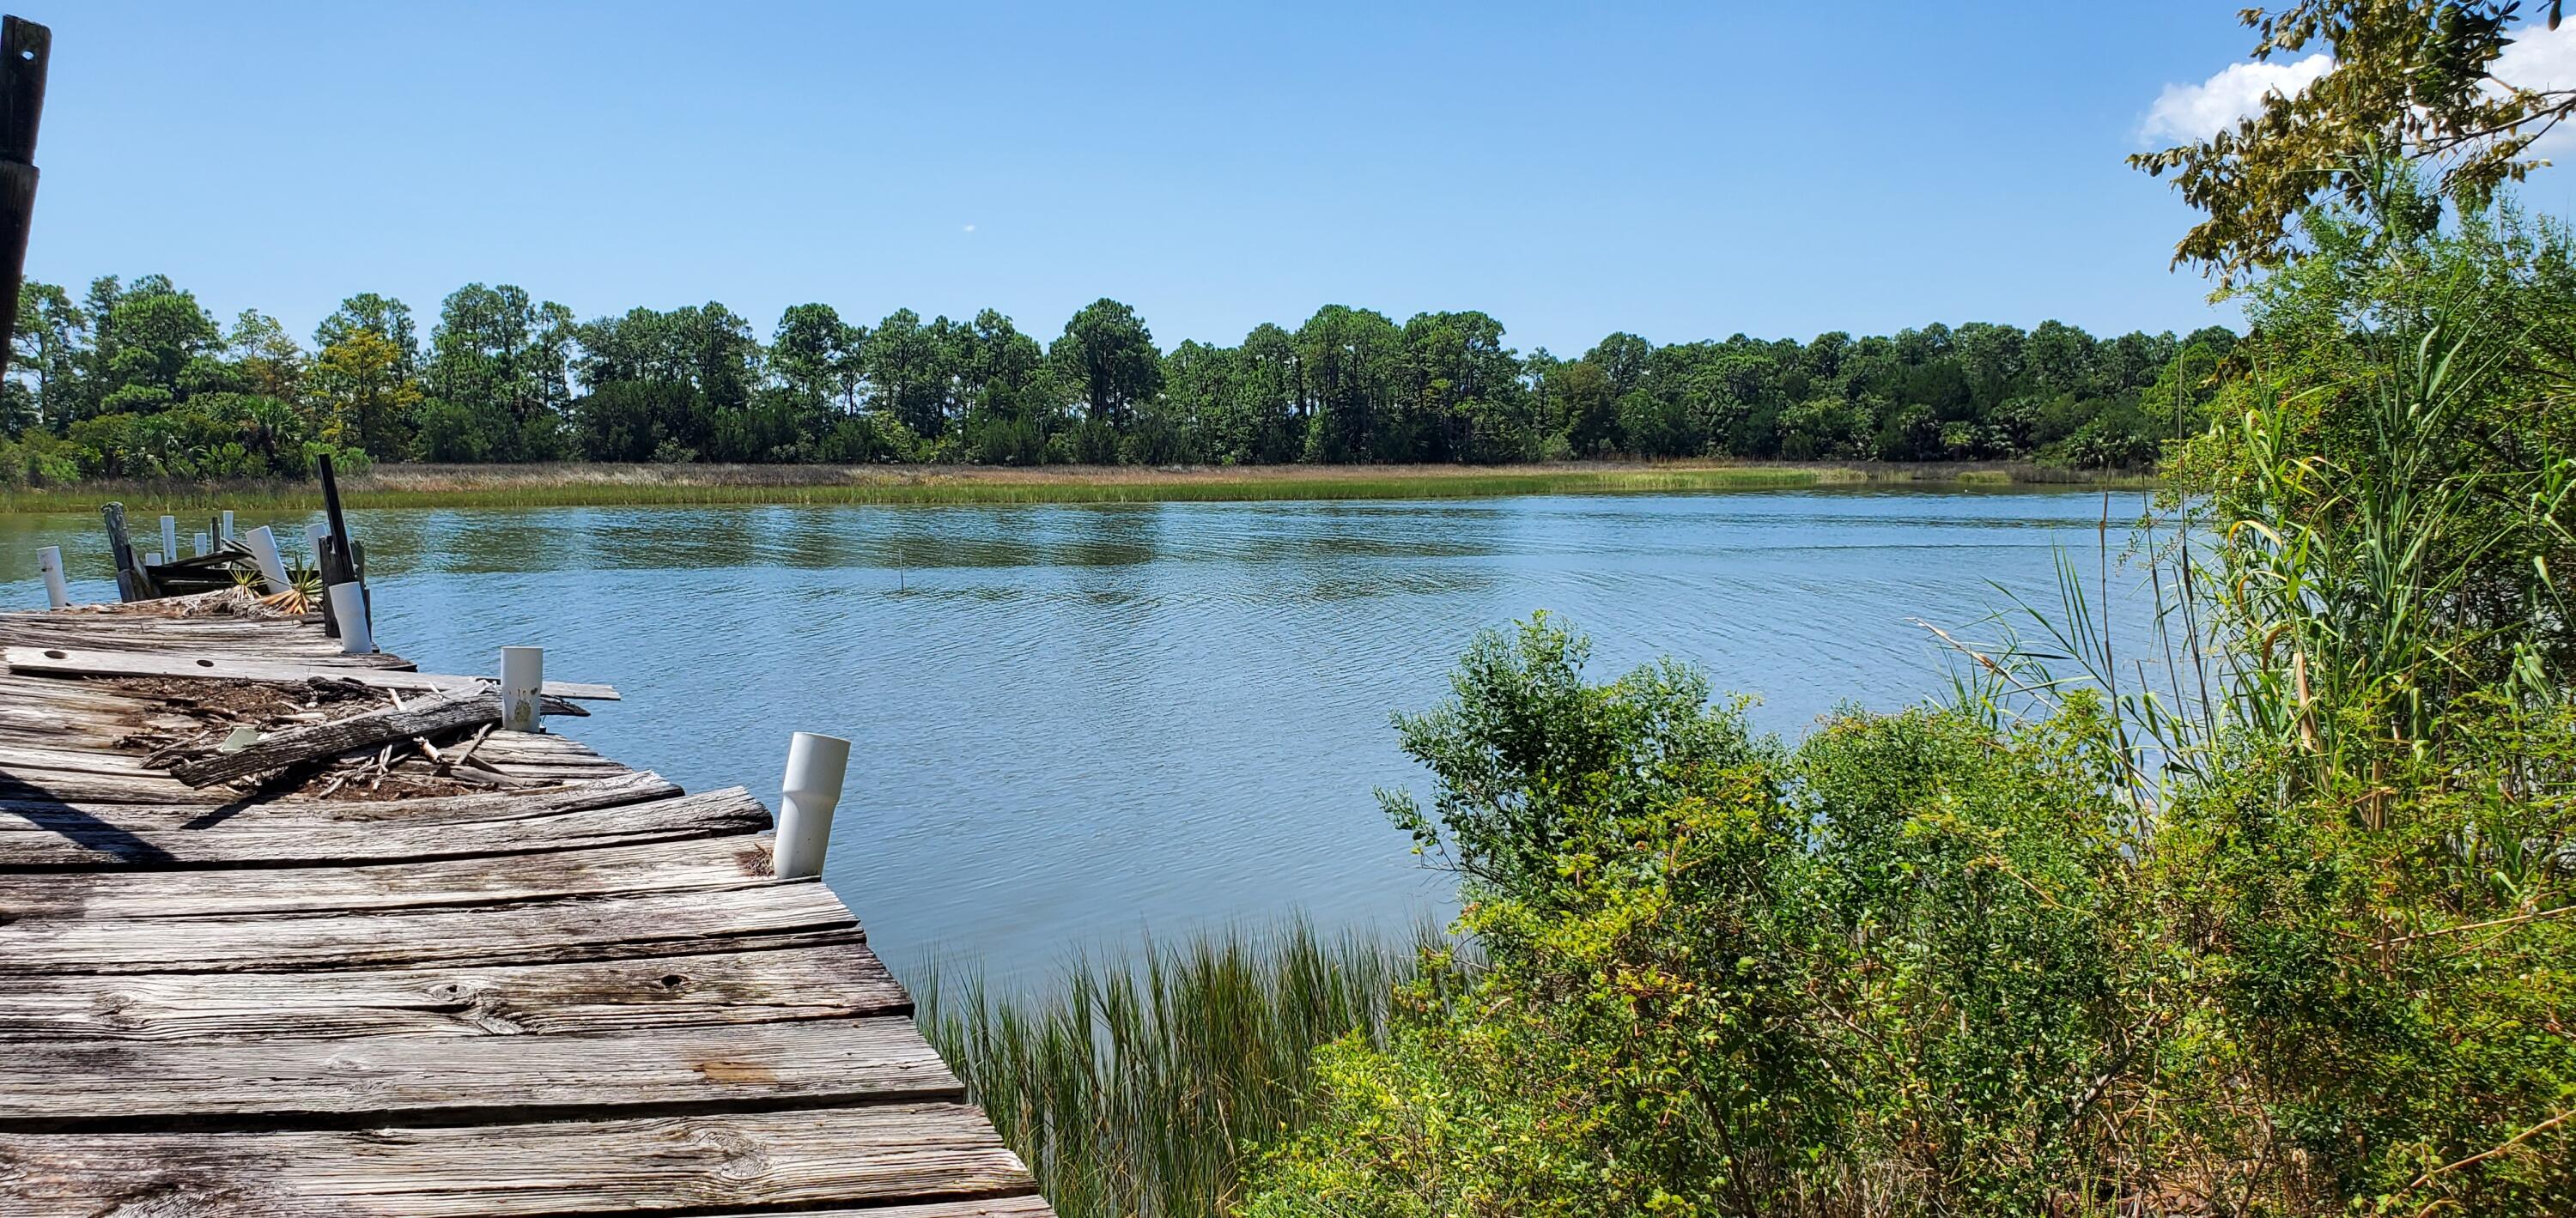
x: 435, y: 715
x: 687, y: 864
x: 597, y: 928
x: 72, y: 1083
x: 821, y: 976
x: 584, y: 997
x: 795, y: 1158
x: 86, y: 837
x: 88, y: 662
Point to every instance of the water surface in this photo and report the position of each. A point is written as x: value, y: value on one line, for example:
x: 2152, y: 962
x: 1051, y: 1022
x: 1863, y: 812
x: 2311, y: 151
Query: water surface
x: 1075, y: 725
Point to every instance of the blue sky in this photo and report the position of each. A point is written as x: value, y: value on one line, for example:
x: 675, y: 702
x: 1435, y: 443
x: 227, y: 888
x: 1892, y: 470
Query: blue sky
x: 1681, y: 172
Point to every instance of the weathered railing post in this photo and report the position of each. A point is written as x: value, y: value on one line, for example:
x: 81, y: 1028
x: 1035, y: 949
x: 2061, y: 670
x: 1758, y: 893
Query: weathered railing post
x: 204, y: 543
x: 226, y: 527
x: 57, y: 594
x: 815, y: 767
x: 523, y: 681
x: 169, y: 538
x: 263, y: 551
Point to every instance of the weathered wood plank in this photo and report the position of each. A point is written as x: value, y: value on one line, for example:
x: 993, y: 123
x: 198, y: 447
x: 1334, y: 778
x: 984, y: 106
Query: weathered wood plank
x: 688, y: 864
x: 828, y: 975
x: 15, y: 757
x: 230, y: 666
x: 295, y: 811
x: 66, y: 837
x: 435, y: 715
x: 796, y: 1158
x: 68, y: 1084
x: 38, y: 783
x: 598, y: 928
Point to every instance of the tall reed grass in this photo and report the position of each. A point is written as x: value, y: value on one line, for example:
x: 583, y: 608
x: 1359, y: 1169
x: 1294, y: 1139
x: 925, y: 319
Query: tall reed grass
x: 1139, y: 1087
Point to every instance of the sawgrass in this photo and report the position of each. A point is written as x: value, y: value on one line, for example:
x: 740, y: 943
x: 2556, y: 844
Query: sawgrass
x: 1143, y: 1086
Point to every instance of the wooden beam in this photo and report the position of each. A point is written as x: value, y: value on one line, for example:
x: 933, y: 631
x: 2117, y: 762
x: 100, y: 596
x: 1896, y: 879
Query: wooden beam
x: 437, y: 715
x: 76, y: 662
x: 595, y: 928
x: 687, y: 864
x: 822, y: 976
x: 796, y: 1158
x: 37, y: 836
x: 65, y: 1084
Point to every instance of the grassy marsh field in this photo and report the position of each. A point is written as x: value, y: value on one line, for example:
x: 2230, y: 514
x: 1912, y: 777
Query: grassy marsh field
x: 616, y: 485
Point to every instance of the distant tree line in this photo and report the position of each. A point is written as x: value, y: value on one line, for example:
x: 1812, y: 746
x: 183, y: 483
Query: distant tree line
x: 140, y: 380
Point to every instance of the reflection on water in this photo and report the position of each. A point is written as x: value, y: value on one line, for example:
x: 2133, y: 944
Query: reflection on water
x: 1074, y: 724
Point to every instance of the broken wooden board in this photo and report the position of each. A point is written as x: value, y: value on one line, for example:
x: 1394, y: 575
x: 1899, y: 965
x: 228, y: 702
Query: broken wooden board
x: 435, y: 715
x: 85, y: 662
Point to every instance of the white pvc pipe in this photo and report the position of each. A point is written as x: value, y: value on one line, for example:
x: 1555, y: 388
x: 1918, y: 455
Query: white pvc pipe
x: 349, y: 609
x: 263, y: 551
x: 523, y: 677
x: 228, y: 524
x: 170, y: 536
x: 203, y: 543
x: 313, y: 534
x: 815, y: 767
x: 57, y: 593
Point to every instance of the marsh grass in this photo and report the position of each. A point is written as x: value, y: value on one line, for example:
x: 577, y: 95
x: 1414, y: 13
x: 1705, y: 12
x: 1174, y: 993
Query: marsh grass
x: 412, y: 486
x: 1141, y: 1086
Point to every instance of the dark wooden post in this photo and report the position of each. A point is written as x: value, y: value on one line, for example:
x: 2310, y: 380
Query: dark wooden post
x: 337, y: 566
x: 131, y: 583
x: 25, y: 49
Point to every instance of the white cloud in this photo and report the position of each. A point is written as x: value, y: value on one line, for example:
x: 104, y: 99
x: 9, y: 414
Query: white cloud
x: 2197, y: 112
x: 970, y: 228
x: 2542, y: 58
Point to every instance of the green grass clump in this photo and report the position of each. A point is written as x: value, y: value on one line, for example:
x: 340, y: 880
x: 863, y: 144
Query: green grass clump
x: 1138, y: 1087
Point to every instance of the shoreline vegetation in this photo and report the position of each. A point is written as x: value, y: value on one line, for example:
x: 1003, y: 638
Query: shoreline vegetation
x: 2268, y: 912
x: 585, y: 484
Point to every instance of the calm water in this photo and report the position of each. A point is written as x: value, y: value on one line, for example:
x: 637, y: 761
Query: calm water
x: 1078, y: 725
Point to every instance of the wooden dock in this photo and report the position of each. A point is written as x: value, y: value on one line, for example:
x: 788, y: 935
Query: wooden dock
x: 578, y: 991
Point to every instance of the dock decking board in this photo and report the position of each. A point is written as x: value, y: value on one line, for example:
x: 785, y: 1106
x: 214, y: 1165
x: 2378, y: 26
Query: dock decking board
x: 822, y: 976
x: 582, y: 997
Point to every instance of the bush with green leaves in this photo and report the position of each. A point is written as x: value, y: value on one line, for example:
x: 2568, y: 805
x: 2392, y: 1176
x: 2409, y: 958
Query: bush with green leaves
x: 2290, y: 929
x: 1900, y: 964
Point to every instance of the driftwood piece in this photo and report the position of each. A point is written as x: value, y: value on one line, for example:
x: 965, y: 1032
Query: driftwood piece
x: 429, y: 717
